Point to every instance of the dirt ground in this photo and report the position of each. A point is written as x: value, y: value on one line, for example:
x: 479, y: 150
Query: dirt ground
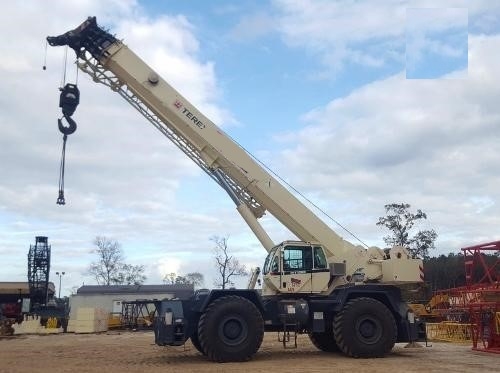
x: 136, y: 352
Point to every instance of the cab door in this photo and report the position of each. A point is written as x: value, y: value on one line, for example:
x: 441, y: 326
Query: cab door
x: 304, y: 269
x: 297, y: 267
x: 321, y: 271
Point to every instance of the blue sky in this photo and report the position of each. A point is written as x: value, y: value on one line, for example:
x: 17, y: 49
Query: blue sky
x: 436, y: 41
x: 317, y: 90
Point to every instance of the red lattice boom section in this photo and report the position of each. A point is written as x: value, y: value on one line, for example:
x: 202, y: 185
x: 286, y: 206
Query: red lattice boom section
x: 478, y: 302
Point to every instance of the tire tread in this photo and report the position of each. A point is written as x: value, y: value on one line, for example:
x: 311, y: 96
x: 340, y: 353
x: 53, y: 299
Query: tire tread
x: 341, y: 319
x: 213, y: 349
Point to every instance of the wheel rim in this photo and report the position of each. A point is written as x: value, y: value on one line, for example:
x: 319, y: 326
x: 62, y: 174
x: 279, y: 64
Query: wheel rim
x: 368, y: 329
x: 233, y: 330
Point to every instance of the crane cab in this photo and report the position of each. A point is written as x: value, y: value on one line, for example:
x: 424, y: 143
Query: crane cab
x: 296, y: 267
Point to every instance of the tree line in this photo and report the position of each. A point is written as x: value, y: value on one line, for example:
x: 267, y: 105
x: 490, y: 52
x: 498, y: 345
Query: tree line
x: 448, y: 271
x: 441, y: 272
x: 110, y: 267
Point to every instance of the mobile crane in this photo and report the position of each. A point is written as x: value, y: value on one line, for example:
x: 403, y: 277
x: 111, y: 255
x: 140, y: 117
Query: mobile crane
x: 344, y: 296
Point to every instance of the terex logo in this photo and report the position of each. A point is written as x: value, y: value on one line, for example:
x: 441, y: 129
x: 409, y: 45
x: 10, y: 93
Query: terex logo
x: 189, y: 114
x: 178, y: 104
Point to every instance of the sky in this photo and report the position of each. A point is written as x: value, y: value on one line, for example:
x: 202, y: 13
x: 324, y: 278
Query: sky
x: 357, y: 104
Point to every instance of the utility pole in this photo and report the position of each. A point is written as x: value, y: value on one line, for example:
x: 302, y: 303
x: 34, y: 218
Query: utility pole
x: 60, y: 274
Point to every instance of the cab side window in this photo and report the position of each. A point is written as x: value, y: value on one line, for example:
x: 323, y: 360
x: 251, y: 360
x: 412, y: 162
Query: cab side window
x: 275, y: 264
x: 319, y: 258
x: 271, y: 262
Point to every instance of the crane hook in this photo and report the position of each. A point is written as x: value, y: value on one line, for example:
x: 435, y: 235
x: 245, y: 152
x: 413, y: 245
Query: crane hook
x: 70, y: 129
x: 68, y: 101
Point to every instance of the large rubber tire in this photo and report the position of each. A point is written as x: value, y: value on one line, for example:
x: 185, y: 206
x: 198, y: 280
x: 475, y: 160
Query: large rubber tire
x: 231, y: 329
x: 195, y: 340
x: 365, y: 328
x: 324, y: 341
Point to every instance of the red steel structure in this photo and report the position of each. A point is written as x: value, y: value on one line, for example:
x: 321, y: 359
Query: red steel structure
x: 478, y: 302
x: 482, y: 291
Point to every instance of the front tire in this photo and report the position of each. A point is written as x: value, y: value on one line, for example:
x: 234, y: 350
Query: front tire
x: 325, y: 341
x: 231, y: 329
x: 365, y: 328
x: 195, y: 340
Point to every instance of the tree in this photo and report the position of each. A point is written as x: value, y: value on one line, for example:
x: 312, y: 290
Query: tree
x: 227, y: 265
x: 130, y: 275
x: 196, y: 278
x: 193, y: 278
x: 400, y: 221
x: 110, y: 268
x: 181, y: 280
x: 169, y: 278
x: 109, y: 258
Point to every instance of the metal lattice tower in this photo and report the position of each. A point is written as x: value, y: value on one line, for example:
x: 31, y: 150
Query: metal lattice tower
x: 38, y: 270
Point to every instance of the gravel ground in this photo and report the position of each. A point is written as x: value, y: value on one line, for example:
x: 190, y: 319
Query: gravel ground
x: 136, y: 352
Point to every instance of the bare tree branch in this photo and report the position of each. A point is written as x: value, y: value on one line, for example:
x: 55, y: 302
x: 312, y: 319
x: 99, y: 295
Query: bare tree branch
x: 110, y: 267
x: 227, y: 265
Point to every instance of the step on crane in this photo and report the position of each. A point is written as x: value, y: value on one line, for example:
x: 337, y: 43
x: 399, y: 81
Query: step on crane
x: 345, y: 297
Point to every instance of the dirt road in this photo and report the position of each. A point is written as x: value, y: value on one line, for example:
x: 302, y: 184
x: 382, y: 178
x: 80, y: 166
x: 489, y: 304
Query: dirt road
x: 135, y: 352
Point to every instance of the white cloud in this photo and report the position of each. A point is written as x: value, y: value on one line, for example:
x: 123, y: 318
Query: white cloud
x: 170, y: 47
x: 365, y: 33
x: 122, y: 176
x: 430, y: 143
x: 168, y: 265
x: 420, y: 47
x: 435, y: 19
x: 435, y: 32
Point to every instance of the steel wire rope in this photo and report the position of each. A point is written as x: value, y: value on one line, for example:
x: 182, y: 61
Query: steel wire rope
x: 298, y: 192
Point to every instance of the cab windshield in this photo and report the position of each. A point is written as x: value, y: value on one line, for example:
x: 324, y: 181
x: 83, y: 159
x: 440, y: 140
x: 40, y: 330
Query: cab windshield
x: 269, y: 261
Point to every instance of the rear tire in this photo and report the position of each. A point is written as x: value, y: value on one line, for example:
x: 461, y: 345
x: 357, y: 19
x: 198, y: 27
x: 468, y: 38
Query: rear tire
x: 365, y: 328
x: 231, y: 329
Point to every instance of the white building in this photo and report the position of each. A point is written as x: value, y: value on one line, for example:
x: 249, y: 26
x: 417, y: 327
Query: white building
x: 110, y: 297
